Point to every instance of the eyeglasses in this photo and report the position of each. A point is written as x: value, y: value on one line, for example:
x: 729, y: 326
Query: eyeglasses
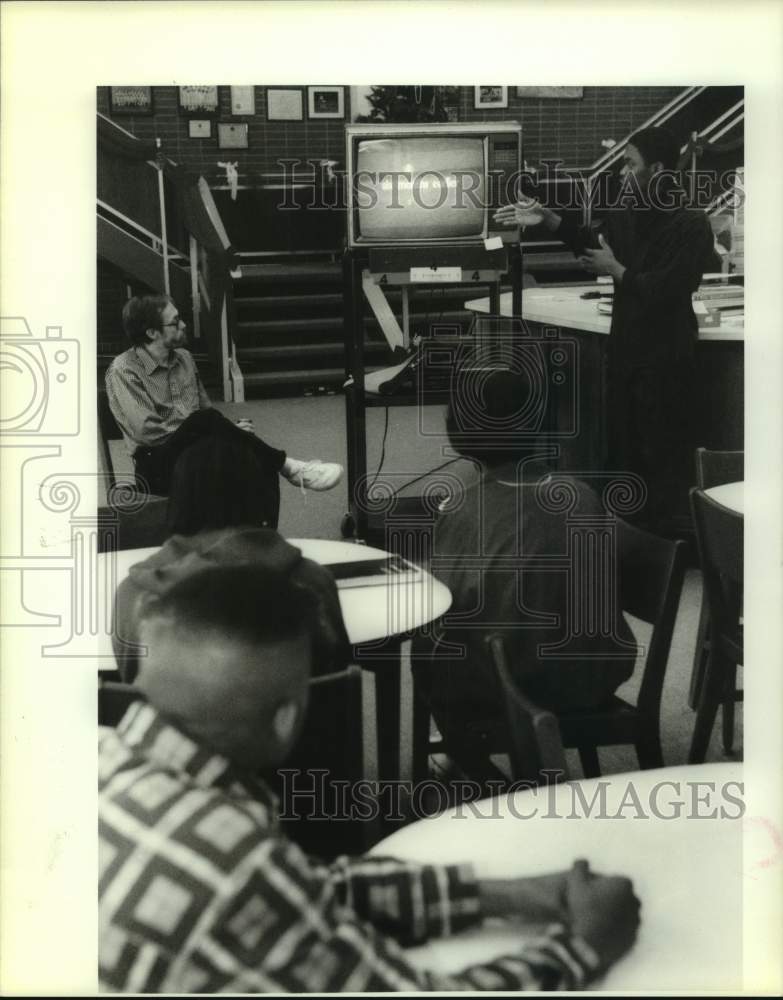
x: 175, y: 323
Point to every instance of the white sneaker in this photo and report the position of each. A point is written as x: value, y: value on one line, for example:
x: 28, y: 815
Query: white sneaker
x: 315, y: 475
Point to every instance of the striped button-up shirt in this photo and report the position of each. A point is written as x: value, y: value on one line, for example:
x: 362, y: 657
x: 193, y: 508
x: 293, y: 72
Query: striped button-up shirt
x: 200, y: 893
x: 149, y: 399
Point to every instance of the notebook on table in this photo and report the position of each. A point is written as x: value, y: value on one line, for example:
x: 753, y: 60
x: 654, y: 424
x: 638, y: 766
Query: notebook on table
x: 374, y: 572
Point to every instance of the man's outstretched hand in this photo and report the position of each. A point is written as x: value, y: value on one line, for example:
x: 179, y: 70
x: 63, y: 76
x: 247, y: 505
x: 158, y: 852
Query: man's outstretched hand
x: 603, y: 911
x: 527, y: 212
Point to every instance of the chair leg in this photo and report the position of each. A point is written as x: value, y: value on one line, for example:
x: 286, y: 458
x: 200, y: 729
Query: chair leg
x: 421, y: 739
x: 588, y: 757
x: 700, y: 656
x: 728, y: 708
x: 709, y: 701
x: 649, y: 752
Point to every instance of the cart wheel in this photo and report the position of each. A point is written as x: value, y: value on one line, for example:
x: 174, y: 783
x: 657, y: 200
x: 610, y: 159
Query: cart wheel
x: 348, y: 526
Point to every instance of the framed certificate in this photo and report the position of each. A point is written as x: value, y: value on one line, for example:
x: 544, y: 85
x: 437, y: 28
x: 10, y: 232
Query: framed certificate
x: 243, y: 100
x: 232, y: 135
x: 284, y: 105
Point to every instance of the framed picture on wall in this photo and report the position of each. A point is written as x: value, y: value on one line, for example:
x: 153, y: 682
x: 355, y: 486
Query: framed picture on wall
x: 130, y: 100
x: 243, y: 100
x: 199, y: 100
x: 284, y: 105
x: 200, y: 128
x: 490, y: 97
x: 549, y: 91
x: 232, y: 135
x: 325, y: 102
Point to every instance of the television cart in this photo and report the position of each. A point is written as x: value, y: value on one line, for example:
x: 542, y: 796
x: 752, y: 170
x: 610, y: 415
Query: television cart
x: 366, y: 273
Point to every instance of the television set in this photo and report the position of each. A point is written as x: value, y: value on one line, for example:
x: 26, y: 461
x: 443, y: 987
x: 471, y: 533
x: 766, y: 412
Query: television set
x: 416, y: 185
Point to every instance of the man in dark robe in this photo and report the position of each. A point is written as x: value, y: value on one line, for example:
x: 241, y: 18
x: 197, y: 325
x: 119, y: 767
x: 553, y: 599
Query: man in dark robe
x: 656, y: 248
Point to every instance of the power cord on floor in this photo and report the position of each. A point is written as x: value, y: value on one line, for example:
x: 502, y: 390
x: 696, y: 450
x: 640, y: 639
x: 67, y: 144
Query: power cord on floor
x: 383, y: 450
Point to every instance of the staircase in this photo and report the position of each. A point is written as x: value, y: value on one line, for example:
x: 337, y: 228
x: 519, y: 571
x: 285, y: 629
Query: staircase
x: 289, y: 324
x: 159, y: 232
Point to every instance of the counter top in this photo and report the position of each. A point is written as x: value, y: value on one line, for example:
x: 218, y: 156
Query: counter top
x: 563, y: 306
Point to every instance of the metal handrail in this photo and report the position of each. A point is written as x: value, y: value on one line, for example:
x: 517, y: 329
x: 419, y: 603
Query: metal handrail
x: 660, y: 116
x: 174, y: 253
x: 168, y: 254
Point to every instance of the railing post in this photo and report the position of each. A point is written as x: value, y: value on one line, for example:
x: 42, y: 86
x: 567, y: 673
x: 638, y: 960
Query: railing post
x: 225, y: 354
x: 163, y: 231
x: 194, y: 291
x: 694, y: 140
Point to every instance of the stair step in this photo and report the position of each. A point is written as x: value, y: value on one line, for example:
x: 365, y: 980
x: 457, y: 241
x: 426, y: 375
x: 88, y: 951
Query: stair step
x: 289, y: 273
x: 316, y: 376
x: 269, y: 302
x: 297, y: 351
x: 332, y: 324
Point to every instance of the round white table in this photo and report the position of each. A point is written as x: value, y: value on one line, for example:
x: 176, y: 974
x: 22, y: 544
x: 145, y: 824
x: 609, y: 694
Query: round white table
x: 687, y: 871
x: 731, y: 495
x: 371, y: 614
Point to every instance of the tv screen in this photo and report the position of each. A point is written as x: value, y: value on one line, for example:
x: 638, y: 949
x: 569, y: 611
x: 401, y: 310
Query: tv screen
x: 420, y: 188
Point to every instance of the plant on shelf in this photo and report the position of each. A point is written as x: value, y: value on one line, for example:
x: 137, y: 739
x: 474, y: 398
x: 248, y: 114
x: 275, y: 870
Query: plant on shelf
x: 410, y: 104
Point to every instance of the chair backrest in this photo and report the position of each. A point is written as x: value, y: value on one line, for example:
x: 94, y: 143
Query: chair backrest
x: 651, y: 572
x: 114, y: 700
x: 720, y: 540
x: 534, y: 742
x: 331, y: 741
x: 714, y: 468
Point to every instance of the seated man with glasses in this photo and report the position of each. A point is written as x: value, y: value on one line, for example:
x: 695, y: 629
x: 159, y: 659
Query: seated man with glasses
x: 158, y: 400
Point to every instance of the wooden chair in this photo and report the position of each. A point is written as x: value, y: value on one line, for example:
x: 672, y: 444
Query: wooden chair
x: 332, y: 742
x: 114, y: 700
x: 713, y: 468
x: 651, y: 571
x: 535, y: 746
x: 719, y: 537
x: 139, y: 524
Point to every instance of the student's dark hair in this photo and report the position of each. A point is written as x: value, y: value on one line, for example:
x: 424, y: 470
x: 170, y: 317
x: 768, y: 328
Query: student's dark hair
x: 220, y: 482
x: 493, y: 421
x: 657, y: 143
x: 250, y: 603
x: 142, y: 313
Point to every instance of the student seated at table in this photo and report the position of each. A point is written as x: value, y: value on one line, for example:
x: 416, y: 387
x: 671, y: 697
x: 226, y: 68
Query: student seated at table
x: 503, y: 550
x: 241, y: 545
x: 158, y: 400
x: 199, y: 890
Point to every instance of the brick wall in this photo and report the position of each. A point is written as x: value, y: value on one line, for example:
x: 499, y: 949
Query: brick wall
x: 569, y: 129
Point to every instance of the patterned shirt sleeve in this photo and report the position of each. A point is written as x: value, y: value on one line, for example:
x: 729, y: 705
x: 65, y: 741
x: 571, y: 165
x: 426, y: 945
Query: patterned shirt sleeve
x: 316, y: 942
x: 410, y: 902
x: 132, y: 407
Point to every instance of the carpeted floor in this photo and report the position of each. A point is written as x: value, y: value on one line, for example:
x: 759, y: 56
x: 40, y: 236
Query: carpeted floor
x: 314, y: 427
